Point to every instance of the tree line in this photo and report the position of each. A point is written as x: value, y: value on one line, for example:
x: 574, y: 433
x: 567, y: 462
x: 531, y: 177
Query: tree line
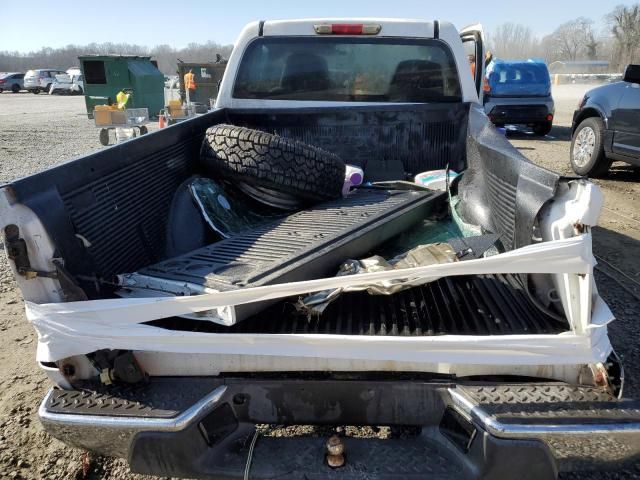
x: 618, y: 42
x: 65, y: 57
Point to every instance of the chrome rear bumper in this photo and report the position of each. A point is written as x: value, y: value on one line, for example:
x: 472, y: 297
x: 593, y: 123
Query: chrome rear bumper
x: 477, y: 428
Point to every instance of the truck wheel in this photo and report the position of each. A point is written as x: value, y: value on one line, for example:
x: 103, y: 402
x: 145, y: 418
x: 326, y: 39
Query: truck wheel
x: 541, y: 129
x: 15, y: 88
x: 35, y: 91
x: 104, y: 136
x: 262, y: 159
x: 587, y: 149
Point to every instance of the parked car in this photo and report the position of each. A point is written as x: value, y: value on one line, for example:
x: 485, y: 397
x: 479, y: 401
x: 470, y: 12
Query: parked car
x: 36, y: 81
x: 74, y: 71
x: 13, y: 81
x: 606, y: 126
x: 519, y: 93
x: 67, y: 84
x: 171, y: 279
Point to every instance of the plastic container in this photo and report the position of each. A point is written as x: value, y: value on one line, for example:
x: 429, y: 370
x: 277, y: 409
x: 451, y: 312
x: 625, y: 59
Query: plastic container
x: 123, y: 134
x: 353, y: 176
x: 118, y: 117
x: 435, y: 179
x: 137, y: 116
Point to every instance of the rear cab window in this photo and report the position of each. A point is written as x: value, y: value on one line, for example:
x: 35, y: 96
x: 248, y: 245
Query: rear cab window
x: 397, y: 70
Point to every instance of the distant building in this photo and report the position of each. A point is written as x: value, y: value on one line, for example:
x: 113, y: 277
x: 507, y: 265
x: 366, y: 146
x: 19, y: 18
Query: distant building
x: 579, y: 67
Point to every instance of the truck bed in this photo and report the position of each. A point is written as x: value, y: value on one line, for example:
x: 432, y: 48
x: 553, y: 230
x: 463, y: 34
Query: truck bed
x: 308, y: 244
x: 107, y: 212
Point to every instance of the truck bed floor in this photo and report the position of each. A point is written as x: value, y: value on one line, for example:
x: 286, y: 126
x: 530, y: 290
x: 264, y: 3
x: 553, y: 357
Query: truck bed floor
x: 464, y: 305
x: 308, y: 244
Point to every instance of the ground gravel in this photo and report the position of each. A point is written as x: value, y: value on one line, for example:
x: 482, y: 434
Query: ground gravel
x: 39, y: 131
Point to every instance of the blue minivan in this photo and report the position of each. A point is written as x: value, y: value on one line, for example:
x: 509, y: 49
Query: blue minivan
x: 519, y: 93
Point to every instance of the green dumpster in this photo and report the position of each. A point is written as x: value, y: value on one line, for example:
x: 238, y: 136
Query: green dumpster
x: 106, y: 75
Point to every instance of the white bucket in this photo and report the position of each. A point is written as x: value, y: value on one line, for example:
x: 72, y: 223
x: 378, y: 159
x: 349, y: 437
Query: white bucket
x: 435, y: 179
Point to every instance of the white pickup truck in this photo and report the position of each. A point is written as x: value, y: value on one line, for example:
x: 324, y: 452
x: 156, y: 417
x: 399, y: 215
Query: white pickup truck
x: 171, y: 278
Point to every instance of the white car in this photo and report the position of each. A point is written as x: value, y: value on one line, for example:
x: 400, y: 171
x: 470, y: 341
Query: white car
x: 36, y: 81
x: 66, y: 84
x: 74, y: 71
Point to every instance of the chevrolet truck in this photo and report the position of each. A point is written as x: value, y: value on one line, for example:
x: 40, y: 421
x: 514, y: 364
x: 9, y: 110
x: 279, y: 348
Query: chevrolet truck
x: 173, y: 279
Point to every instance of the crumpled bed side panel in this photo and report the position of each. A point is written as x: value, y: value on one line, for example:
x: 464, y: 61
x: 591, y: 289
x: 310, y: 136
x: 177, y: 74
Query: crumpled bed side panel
x: 501, y: 190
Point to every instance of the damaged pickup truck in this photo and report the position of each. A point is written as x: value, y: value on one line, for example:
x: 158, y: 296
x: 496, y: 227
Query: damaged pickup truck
x: 264, y: 291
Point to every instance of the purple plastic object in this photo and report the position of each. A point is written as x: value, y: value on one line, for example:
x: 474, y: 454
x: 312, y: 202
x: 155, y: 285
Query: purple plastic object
x: 353, y: 176
x: 356, y: 178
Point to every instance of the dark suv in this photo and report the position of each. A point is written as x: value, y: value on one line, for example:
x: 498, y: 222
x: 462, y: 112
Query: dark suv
x: 606, y: 126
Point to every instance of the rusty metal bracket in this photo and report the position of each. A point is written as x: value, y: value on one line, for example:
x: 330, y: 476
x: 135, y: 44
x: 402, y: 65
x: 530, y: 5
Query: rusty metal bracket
x: 17, y: 251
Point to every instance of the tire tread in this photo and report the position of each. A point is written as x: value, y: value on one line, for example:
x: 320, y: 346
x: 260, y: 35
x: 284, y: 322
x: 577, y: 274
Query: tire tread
x: 271, y: 161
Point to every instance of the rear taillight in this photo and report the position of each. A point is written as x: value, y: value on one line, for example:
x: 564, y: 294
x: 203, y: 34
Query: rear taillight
x: 549, y: 118
x: 3, y: 81
x: 347, y: 29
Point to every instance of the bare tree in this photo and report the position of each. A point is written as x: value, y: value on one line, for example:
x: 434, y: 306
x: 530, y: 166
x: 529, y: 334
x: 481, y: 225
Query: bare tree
x: 66, y: 57
x: 513, y: 41
x: 624, y: 22
x: 572, y: 40
x: 591, y: 48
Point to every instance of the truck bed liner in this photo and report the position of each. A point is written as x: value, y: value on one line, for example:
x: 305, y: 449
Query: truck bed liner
x: 466, y: 305
x: 305, y: 245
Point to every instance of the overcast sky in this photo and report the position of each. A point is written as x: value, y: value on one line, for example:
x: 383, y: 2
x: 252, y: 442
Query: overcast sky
x: 30, y: 25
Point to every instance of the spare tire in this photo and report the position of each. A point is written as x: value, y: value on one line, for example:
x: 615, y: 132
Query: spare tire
x: 278, y: 163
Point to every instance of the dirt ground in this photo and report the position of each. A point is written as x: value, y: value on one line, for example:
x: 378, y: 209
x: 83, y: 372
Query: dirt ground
x: 39, y: 131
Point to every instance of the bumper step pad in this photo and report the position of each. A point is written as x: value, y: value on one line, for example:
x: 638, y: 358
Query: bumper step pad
x: 550, y: 403
x: 164, y: 397
x: 584, y: 427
